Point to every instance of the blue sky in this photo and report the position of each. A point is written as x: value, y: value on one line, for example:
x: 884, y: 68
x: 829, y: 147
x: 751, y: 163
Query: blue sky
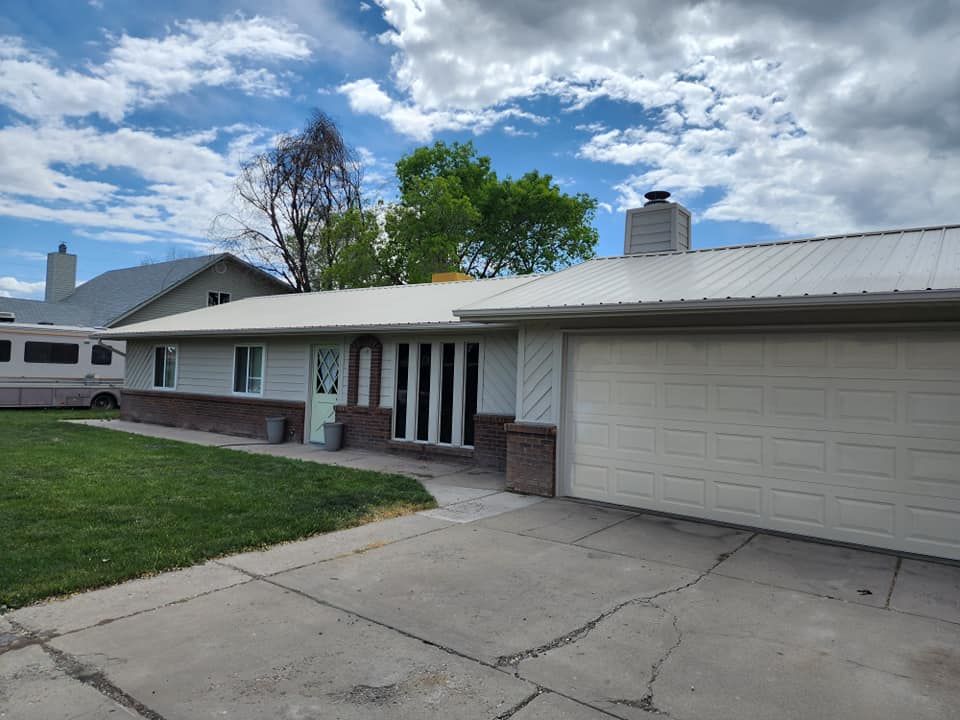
x: 122, y: 124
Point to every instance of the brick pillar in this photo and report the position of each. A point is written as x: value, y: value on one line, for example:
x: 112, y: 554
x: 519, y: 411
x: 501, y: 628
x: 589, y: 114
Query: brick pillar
x: 531, y: 458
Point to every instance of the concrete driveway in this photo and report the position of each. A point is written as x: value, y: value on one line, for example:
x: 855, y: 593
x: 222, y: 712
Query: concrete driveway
x: 556, y: 610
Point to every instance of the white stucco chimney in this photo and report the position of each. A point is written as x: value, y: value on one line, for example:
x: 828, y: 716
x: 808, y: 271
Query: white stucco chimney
x: 61, y: 274
x: 658, y: 226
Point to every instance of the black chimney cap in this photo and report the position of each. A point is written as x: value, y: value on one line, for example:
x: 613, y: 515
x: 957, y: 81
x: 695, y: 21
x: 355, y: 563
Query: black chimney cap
x: 62, y: 248
x: 655, y: 197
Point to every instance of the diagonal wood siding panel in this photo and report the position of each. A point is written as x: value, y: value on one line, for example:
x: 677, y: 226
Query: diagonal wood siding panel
x: 499, y: 374
x: 538, y: 391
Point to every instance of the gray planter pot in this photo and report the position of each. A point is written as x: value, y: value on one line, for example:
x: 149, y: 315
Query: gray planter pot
x: 332, y: 436
x: 276, y: 430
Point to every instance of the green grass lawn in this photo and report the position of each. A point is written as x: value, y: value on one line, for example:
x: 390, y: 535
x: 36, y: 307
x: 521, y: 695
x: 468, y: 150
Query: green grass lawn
x: 82, y: 507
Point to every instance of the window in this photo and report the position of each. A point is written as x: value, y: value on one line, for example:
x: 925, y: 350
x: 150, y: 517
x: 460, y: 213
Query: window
x: 101, y: 355
x: 447, y: 357
x: 437, y: 392
x: 52, y: 353
x: 423, y: 393
x: 248, y: 369
x: 165, y: 366
x: 217, y: 298
x: 403, y: 369
x: 5, y: 346
x: 472, y: 381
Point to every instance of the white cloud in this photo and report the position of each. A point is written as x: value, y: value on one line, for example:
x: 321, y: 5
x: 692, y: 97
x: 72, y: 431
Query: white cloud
x: 513, y: 131
x: 11, y: 287
x: 811, y: 116
x: 367, y: 97
x: 142, y: 71
x: 28, y: 255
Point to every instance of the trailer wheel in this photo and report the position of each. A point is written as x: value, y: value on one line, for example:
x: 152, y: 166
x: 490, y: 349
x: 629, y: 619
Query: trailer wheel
x: 103, y: 401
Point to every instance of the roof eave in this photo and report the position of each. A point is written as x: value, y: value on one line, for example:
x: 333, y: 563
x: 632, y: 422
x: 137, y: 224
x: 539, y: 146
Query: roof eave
x: 455, y: 326
x: 712, y: 305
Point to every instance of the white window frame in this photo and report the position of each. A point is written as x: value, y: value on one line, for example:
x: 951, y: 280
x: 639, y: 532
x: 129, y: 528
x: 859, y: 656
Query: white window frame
x: 263, y: 369
x: 219, y: 294
x: 413, y: 384
x: 176, y: 365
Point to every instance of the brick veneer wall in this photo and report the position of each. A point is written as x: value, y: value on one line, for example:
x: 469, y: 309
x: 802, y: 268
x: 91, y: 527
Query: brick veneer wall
x: 365, y: 427
x: 213, y: 413
x: 490, y: 440
x: 531, y: 458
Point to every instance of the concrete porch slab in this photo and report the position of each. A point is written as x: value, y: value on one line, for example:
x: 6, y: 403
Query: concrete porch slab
x: 929, y: 589
x: 462, y: 474
x: 259, y: 651
x: 693, y: 545
x: 483, y: 592
x: 844, y: 573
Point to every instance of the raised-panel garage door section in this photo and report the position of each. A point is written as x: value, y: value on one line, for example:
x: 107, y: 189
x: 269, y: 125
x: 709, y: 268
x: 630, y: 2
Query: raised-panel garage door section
x: 850, y: 436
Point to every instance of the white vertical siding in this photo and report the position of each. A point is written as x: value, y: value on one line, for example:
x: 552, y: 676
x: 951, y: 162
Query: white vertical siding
x: 363, y: 376
x: 538, y: 385
x: 499, y: 374
x: 388, y: 372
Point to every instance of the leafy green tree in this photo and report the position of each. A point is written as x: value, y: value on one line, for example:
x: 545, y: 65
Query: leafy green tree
x: 454, y: 213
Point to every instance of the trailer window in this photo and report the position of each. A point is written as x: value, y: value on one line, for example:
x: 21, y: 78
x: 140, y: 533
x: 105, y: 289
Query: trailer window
x: 5, y: 346
x: 51, y: 353
x: 101, y: 355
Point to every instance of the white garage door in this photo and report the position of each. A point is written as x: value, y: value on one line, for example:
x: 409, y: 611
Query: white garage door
x: 851, y: 436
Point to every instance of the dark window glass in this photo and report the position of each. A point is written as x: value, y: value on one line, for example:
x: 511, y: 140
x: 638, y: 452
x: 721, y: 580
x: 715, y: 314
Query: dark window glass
x: 158, y: 367
x: 53, y: 353
x: 446, y: 392
x: 165, y: 366
x: 423, y: 393
x: 240, y: 370
x: 471, y: 380
x: 403, y: 367
x: 101, y: 355
x: 217, y: 298
x: 5, y: 346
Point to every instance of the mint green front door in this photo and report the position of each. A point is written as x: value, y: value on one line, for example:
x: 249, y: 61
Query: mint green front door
x: 326, y: 383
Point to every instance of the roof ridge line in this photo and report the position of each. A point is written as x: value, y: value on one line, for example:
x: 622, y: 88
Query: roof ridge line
x: 817, y: 238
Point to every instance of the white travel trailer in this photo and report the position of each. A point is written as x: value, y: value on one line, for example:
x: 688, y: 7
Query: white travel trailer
x: 58, y: 366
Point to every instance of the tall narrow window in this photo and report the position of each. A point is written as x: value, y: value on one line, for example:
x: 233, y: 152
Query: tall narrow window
x: 403, y: 369
x: 423, y: 393
x: 165, y: 366
x: 5, y: 346
x: 248, y: 369
x: 446, y: 392
x: 471, y: 383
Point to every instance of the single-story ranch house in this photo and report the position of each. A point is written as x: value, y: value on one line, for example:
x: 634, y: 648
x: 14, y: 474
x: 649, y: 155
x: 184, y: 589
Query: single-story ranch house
x: 808, y: 387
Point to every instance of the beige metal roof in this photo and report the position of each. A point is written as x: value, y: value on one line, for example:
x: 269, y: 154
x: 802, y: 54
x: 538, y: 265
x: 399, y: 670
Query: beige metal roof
x: 894, y: 266
x: 428, y: 305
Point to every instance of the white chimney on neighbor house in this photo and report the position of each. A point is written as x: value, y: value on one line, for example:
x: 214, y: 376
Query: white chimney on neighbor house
x: 658, y: 226
x: 61, y: 274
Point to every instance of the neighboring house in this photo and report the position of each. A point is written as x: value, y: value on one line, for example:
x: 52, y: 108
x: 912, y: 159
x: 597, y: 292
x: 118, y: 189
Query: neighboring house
x: 809, y: 387
x: 136, y: 294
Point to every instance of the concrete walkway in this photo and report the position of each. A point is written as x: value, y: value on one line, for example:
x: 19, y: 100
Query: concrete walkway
x: 464, y: 493
x: 554, y: 611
